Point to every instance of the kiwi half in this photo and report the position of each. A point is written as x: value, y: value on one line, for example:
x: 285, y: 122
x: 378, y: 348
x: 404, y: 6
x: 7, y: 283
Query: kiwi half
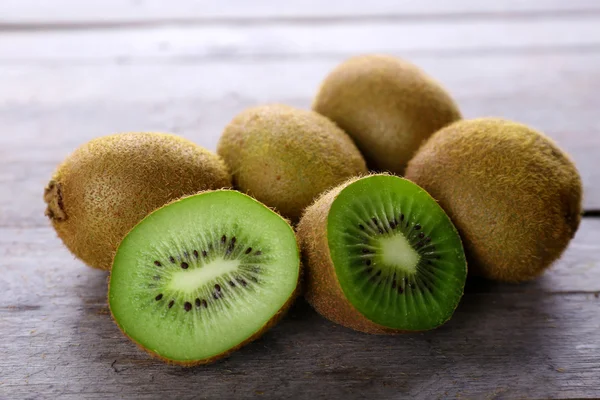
x: 204, y: 275
x: 382, y: 256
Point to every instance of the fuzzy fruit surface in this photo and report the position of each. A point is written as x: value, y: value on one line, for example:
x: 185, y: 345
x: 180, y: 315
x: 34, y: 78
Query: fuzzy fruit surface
x: 387, y: 105
x: 109, y: 184
x: 285, y: 157
x: 513, y: 194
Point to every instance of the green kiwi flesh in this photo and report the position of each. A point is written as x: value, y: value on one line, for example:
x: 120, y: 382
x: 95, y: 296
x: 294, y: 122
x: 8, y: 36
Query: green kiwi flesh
x: 397, y: 256
x: 203, y: 275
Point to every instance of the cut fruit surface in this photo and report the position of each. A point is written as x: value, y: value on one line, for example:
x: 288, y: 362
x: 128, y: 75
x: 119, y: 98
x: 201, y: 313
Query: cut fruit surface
x: 382, y: 256
x: 203, y: 275
x: 398, y: 258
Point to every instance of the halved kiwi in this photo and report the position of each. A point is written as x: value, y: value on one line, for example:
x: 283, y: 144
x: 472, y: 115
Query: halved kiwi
x: 204, y: 275
x: 382, y: 256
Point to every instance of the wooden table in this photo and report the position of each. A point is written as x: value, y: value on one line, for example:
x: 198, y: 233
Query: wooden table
x: 73, y: 70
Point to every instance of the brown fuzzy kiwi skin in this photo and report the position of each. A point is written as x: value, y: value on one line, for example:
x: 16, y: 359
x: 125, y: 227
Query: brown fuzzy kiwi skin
x: 321, y: 286
x: 106, y: 186
x: 387, y: 105
x: 268, y: 325
x: 513, y: 195
x: 285, y: 157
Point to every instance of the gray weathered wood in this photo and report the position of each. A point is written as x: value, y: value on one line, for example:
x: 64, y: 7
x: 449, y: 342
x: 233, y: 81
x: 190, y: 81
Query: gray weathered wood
x: 73, y: 12
x: 67, y: 75
x: 303, y: 40
x: 47, y: 112
x: 539, y: 340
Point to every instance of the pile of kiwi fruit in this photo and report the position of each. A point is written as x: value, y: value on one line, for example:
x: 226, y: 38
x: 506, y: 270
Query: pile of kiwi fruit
x: 371, y: 205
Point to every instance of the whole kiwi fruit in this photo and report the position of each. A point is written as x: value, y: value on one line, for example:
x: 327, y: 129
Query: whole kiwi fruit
x: 381, y: 256
x: 514, y: 196
x: 387, y: 105
x: 285, y: 157
x: 106, y: 186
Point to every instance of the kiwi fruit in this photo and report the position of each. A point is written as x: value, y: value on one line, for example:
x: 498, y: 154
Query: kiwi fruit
x: 109, y: 184
x: 285, y: 157
x: 514, y: 196
x: 203, y: 275
x: 387, y: 105
x: 381, y: 256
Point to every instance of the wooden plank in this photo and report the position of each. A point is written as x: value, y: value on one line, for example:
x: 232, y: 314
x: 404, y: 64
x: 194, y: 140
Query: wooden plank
x: 19, y: 12
x: 505, y: 341
x: 38, y: 253
x: 46, y: 112
x: 505, y: 346
x: 302, y: 41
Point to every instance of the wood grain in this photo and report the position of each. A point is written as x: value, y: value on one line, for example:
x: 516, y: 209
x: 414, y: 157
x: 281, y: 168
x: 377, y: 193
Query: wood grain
x: 538, y: 340
x: 71, y: 71
x: 46, y: 112
x: 283, y: 40
x: 75, y: 13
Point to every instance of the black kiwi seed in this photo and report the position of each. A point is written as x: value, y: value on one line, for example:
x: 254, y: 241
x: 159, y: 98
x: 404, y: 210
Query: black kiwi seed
x: 187, y: 306
x: 368, y: 262
x: 172, y: 260
x: 223, y: 239
x: 171, y: 303
x: 248, y: 250
x: 362, y: 228
x: 231, y: 284
x: 378, y: 273
x: 427, y: 240
x: 375, y: 221
x: 421, y: 235
x: 197, y: 302
x: 400, y: 290
x: 184, y: 265
x: 393, y: 224
x: 417, y: 227
x: 366, y: 251
x: 157, y: 263
x: 204, y: 253
x: 258, y: 253
x: 394, y: 283
x: 254, y: 269
x: 196, y: 253
x: 204, y: 303
x: 401, y: 217
x: 157, y: 298
x: 217, y: 287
